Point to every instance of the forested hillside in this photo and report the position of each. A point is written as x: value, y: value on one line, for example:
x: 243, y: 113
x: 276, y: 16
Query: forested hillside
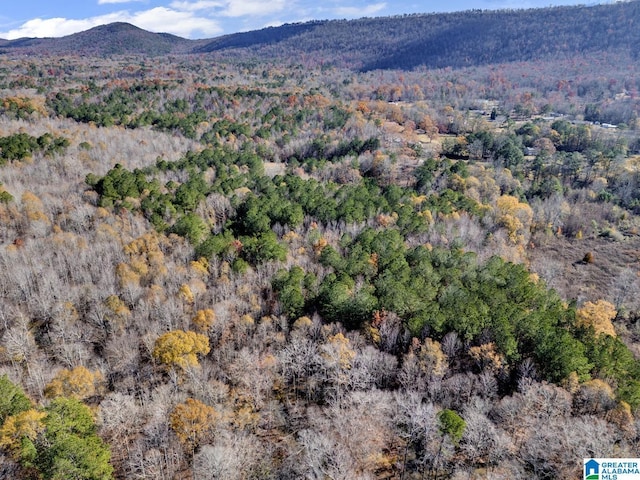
x: 113, y: 39
x: 238, y: 269
x: 460, y: 39
x: 448, y: 40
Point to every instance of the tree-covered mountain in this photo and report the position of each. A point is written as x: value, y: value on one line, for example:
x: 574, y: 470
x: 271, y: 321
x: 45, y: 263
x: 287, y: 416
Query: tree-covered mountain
x: 451, y: 40
x: 475, y: 37
x: 114, y: 39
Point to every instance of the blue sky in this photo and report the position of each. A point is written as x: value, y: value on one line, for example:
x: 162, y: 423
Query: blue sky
x: 211, y: 18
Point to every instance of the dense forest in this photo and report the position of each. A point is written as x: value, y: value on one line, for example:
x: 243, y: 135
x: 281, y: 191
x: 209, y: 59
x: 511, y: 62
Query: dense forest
x: 476, y: 37
x: 220, y: 267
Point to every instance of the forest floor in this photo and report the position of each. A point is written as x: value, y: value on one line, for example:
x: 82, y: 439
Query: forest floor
x: 561, y: 260
x: 610, y: 274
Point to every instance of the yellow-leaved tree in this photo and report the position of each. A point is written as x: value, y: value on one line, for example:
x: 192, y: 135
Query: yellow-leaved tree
x: 146, y: 262
x: 119, y: 314
x: 431, y: 358
x: 193, y: 422
x: 79, y: 383
x: 337, y: 352
x: 203, y: 319
x: 598, y: 315
x: 33, y: 208
x: 20, y: 430
x: 515, y: 216
x: 487, y: 358
x: 180, y: 349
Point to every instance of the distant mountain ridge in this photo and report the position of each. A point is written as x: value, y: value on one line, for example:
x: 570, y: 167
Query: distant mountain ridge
x: 432, y: 40
x: 113, y: 39
x: 452, y: 39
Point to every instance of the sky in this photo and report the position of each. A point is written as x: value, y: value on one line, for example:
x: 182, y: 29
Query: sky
x: 211, y: 18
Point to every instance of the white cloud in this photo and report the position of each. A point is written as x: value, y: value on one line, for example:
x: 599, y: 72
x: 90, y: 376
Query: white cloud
x: 186, y: 18
x: 186, y: 6
x: 360, y: 11
x: 160, y: 19
x: 235, y: 8
x: 275, y: 23
x: 51, y: 27
x: 241, y: 8
x: 166, y: 20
